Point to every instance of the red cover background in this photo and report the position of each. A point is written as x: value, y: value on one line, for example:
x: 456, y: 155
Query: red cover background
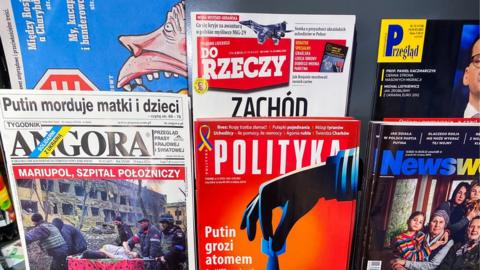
x: 319, y: 240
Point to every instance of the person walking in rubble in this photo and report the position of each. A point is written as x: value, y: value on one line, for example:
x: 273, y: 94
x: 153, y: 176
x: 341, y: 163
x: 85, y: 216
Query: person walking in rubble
x: 50, y: 240
x: 172, y: 243
x: 73, y: 237
x: 149, y: 239
x: 124, y: 231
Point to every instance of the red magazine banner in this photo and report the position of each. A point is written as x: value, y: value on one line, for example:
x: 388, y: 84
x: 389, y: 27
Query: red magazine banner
x: 99, y: 172
x: 241, y: 169
x: 217, y: 17
x: 242, y: 64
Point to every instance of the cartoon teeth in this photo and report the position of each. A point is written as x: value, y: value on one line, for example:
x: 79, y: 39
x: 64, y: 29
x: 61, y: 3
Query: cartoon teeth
x: 150, y: 77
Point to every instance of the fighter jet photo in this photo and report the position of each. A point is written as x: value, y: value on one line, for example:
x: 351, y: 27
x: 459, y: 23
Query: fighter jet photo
x: 264, y: 32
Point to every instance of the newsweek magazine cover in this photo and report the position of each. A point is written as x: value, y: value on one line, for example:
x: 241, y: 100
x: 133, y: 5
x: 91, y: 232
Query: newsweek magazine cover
x: 116, y: 167
x: 254, y: 64
x: 428, y: 68
x: 95, y: 45
x: 276, y: 193
x: 423, y: 197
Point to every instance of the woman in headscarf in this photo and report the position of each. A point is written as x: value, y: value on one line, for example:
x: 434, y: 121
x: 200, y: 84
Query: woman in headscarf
x: 465, y: 256
x: 435, y: 236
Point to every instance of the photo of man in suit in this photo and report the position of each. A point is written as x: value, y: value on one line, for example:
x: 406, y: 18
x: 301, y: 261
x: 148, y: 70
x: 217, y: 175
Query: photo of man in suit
x: 471, y: 79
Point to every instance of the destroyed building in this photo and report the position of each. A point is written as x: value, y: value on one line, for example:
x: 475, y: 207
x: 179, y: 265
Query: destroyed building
x: 89, y: 202
x: 178, y: 211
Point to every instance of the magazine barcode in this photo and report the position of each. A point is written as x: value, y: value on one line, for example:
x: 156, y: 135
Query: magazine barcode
x: 374, y: 265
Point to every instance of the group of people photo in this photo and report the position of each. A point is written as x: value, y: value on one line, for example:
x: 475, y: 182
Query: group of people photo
x: 153, y: 247
x: 449, y: 240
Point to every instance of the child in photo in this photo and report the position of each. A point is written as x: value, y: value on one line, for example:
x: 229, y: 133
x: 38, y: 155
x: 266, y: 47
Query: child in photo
x: 409, y: 244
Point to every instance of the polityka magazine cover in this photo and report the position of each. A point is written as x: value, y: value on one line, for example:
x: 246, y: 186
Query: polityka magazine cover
x: 267, y: 187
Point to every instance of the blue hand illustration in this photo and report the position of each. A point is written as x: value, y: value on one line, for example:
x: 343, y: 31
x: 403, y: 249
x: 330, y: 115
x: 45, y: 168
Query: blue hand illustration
x: 297, y: 193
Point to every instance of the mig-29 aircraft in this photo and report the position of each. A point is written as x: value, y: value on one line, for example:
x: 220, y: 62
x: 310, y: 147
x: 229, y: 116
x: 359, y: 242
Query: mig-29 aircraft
x: 264, y: 32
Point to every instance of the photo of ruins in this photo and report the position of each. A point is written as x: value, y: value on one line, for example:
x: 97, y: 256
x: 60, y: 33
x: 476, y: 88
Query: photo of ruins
x: 92, y: 205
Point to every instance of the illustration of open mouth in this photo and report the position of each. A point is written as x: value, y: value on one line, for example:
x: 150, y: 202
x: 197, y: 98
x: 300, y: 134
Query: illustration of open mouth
x: 143, y: 71
x: 158, y: 59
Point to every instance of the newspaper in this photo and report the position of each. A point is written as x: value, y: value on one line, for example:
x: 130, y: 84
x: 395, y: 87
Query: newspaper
x: 95, y: 45
x: 257, y: 64
x: 89, y: 158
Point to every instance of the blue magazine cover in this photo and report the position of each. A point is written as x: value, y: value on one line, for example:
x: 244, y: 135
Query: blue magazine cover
x: 95, y: 45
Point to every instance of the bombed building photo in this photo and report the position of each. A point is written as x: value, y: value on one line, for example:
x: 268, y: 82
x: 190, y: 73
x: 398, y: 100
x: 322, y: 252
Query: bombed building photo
x: 92, y: 205
x: 89, y: 203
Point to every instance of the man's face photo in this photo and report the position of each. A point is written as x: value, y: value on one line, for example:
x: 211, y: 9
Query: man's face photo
x: 471, y: 77
x: 163, y: 225
x: 201, y: 86
x: 144, y: 225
